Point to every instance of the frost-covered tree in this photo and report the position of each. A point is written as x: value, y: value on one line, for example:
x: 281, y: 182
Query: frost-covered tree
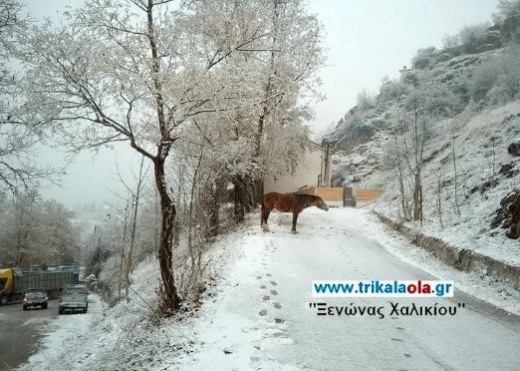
x: 111, y: 73
x: 146, y: 73
x: 35, y: 231
x: 450, y: 42
x: 425, y: 58
x: 364, y: 100
x: 508, y: 16
x: 265, y: 82
x: 404, y: 155
x: 484, y: 78
x: 23, y: 222
x: 59, y: 236
x: 473, y: 37
x: 510, y: 68
x: 497, y: 80
x: 19, y: 132
x: 392, y: 91
x: 394, y: 162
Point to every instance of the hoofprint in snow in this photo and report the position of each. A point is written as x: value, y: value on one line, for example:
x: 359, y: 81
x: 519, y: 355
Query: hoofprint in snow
x: 260, y: 318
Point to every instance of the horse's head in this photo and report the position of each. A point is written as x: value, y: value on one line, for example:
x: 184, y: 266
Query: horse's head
x: 320, y: 204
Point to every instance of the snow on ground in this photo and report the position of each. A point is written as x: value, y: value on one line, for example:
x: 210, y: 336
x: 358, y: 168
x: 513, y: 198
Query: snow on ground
x: 253, y: 320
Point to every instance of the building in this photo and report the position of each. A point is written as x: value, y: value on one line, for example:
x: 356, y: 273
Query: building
x: 312, y: 171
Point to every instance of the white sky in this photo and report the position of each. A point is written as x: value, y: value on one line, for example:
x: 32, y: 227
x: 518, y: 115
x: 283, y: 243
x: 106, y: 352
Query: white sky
x: 370, y: 39
x: 366, y: 40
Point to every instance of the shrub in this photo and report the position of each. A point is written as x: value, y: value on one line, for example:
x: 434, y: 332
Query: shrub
x: 510, y: 68
x: 442, y: 102
x: 508, y: 16
x: 483, y: 80
x: 425, y: 58
x: 365, y: 101
x: 473, y: 37
x: 392, y: 90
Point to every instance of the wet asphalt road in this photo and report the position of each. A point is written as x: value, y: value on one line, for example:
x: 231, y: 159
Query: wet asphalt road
x: 20, y: 332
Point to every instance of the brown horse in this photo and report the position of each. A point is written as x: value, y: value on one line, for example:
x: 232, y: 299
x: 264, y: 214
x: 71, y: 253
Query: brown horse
x: 288, y: 203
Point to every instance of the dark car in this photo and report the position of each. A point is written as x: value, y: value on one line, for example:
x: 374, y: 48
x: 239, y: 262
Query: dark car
x: 35, y: 298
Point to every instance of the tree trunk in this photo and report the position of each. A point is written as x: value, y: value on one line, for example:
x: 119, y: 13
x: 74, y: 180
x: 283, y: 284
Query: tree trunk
x: 171, y: 299
x: 455, y: 174
x: 133, y: 229
x: 258, y: 191
x: 214, y: 220
x: 417, y: 199
x: 123, y: 244
x: 240, y: 199
x: 439, y: 199
x: 248, y: 193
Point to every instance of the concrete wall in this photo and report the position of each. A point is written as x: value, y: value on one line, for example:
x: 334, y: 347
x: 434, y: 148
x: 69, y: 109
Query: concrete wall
x: 462, y: 259
x: 309, y: 169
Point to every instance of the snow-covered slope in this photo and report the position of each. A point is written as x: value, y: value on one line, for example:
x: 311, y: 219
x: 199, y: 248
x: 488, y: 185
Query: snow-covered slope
x: 486, y: 174
x: 467, y: 170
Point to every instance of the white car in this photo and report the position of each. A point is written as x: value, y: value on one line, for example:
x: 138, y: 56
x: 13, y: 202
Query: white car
x: 74, y: 298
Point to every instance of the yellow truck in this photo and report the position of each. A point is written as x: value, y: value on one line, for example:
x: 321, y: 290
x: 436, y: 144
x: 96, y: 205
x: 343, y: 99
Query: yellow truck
x: 15, y: 282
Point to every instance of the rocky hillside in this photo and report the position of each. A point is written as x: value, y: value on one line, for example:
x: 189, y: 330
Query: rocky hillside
x: 448, y: 121
x: 358, y: 138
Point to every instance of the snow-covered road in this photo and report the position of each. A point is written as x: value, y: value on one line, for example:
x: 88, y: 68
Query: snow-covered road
x: 263, y: 320
x: 259, y: 318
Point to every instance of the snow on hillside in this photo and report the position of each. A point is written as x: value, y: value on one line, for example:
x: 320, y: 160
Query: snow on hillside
x: 361, y: 167
x: 485, y: 172
x: 481, y: 152
x: 255, y: 312
x: 455, y: 71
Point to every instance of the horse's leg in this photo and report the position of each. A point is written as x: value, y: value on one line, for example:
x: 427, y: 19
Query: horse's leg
x: 264, y: 215
x: 262, y: 218
x: 294, y: 220
x: 267, y: 212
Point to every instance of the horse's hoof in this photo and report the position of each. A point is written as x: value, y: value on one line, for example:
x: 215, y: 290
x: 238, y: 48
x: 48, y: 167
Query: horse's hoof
x: 294, y: 232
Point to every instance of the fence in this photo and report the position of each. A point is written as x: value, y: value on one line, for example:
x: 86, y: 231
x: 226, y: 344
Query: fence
x: 327, y: 193
x: 367, y: 195
x: 346, y: 195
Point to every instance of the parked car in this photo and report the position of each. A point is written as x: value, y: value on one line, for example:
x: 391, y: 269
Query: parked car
x: 74, y: 298
x: 35, y: 298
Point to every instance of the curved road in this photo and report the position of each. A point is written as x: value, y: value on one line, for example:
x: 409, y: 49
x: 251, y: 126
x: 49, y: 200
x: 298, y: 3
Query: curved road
x: 478, y: 337
x: 273, y: 292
